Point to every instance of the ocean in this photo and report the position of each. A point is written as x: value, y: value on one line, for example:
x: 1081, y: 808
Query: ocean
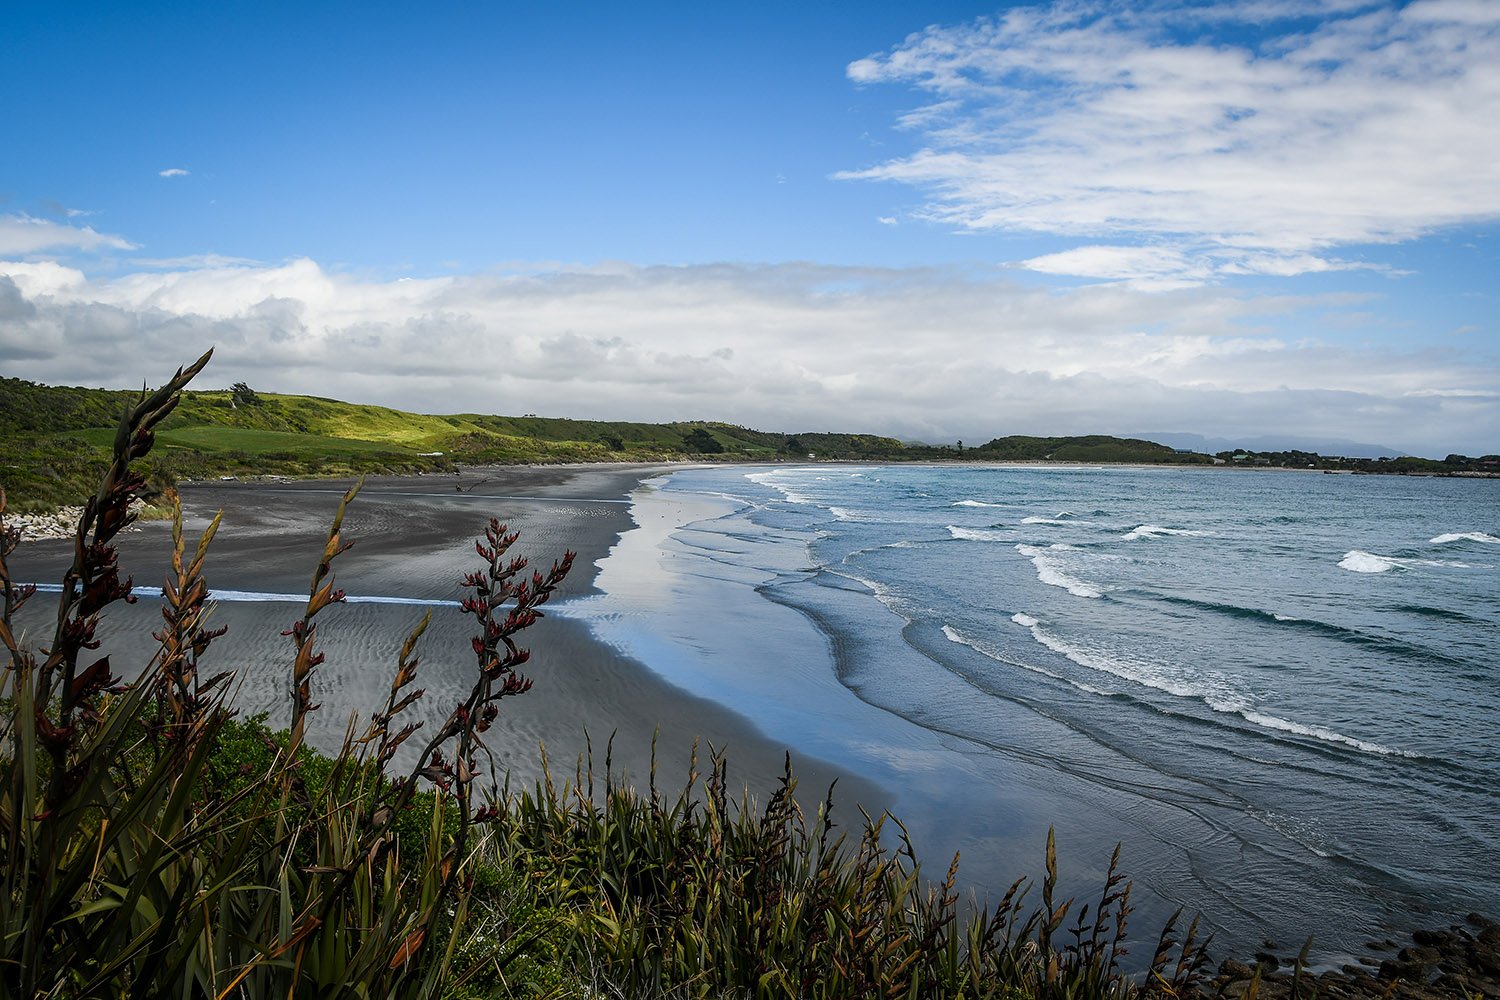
x: 1278, y: 691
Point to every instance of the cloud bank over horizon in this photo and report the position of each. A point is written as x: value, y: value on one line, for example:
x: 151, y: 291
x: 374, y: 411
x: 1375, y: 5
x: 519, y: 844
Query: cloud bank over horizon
x: 928, y: 353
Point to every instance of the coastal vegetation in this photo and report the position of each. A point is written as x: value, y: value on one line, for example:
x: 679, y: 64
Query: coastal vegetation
x: 55, y: 443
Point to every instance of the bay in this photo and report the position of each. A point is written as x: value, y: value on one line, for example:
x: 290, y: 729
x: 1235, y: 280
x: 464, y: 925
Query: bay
x: 1277, y: 690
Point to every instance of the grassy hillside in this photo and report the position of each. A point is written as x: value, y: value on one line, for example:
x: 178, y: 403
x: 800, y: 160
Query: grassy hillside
x: 53, y: 439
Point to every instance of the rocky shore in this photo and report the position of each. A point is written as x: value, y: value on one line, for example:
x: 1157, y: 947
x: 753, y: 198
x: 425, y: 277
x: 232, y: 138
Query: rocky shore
x: 59, y: 523
x: 1460, y: 961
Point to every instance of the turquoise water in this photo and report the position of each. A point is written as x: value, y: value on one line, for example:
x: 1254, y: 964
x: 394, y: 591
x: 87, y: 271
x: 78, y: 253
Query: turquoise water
x: 1278, y: 690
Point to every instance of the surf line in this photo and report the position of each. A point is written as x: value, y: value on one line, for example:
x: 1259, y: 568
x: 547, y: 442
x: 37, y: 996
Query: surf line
x: 261, y: 597
x: 376, y: 494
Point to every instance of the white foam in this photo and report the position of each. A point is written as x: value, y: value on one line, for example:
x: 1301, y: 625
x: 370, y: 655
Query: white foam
x: 1229, y: 704
x: 1156, y: 531
x: 978, y: 535
x: 772, y: 479
x: 1466, y: 536
x: 1358, y: 561
x: 955, y: 636
x: 1367, y: 562
x: 976, y: 503
x: 1130, y: 670
x: 1051, y: 572
x: 884, y: 594
x: 1321, y: 733
x: 1055, y: 520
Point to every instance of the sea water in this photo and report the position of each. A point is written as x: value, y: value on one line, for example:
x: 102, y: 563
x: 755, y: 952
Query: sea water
x: 1278, y: 690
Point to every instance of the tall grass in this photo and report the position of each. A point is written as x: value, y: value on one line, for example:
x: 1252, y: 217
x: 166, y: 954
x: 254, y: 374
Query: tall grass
x: 153, y: 845
x: 701, y: 895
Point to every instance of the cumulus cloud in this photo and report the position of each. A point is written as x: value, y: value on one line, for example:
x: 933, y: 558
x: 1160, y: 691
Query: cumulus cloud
x: 23, y: 234
x: 926, y: 353
x: 172, y: 172
x: 1335, y: 124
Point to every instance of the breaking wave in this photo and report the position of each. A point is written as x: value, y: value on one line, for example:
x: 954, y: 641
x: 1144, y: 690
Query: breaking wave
x: 1051, y: 571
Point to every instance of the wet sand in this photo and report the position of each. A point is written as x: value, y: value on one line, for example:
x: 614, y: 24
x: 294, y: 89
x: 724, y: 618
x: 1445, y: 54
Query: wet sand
x: 414, y: 541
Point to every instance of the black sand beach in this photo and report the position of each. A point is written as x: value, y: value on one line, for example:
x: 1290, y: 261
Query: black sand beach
x: 414, y: 541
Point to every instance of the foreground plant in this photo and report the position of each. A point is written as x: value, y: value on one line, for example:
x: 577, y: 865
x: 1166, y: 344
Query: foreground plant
x: 136, y: 862
x: 704, y: 896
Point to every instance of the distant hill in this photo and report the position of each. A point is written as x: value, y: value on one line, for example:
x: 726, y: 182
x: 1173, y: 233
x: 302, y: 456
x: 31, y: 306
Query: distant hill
x: 1274, y: 442
x: 54, y: 442
x: 1088, y: 448
x: 54, y: 439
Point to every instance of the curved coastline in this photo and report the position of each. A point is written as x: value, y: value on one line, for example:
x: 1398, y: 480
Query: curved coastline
x: 994, y: 798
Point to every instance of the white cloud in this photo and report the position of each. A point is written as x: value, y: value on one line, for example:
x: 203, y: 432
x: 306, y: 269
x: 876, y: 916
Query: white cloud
x: 1153, y: 122
x: 172, y: 172
x: 926, y: 353
x: 23, y: 234
x: 887, y: 220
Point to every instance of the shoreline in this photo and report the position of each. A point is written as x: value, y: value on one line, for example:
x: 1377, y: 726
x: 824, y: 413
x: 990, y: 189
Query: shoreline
x: 55, y: 523
x: 414, y: 540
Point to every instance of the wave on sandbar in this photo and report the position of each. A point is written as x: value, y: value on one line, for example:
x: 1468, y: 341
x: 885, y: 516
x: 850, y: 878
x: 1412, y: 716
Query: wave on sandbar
x: 1465, y: 536
x: 1050, y: 570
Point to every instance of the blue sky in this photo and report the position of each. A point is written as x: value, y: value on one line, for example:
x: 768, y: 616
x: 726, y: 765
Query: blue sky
x: 933, y: 220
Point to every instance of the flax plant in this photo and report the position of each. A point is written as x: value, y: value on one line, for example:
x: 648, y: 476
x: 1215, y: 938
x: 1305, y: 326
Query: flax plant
x: 705, y: 896
x: 137, y: 861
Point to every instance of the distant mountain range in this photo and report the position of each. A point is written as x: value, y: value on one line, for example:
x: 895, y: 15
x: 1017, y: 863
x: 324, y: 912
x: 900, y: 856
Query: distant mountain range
x: 1271, y: 442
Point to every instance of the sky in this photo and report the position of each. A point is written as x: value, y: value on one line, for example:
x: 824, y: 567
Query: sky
x: 940, y: 221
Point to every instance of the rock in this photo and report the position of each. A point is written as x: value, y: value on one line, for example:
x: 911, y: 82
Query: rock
x: 1267, y: 961
x: 1434, y: 939
x: 1454, y: 984
x: 1235, y: 970
x: 1420, y: 955
x: 1414, y: 972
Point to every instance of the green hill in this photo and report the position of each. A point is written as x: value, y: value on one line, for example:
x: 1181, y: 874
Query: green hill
x: 53, y: 439
x: 1089, y: 448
